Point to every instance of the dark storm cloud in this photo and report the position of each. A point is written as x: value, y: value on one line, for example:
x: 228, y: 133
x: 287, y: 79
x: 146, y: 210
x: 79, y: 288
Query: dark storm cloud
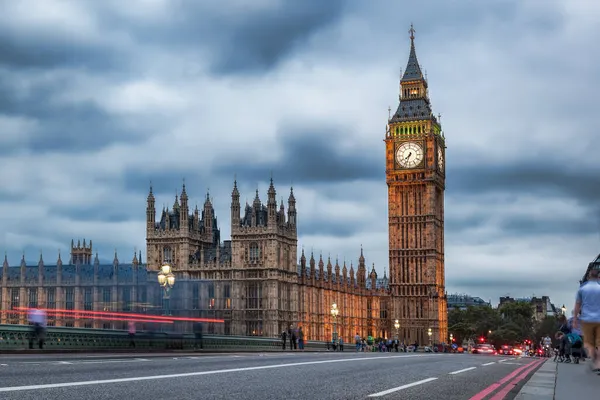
x: 262, y: 41
x: 491, y: 281
x: 329, y: 226
x: 105, y: 212
x: 67, y: 128
x: 546, y: 179
x: 551, y: 225
x: 252, y: 40
x: 310, y: 155
x: 37, y: 52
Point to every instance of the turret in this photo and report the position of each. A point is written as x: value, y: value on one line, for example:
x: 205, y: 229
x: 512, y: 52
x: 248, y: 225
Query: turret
x: 256, y: 206
x: 5, y: 269
x: 150, y: 211
x: 361, y: 272
x: 23, y: 269
x: 41, y: 269
x: 185, y: 211
x: 311, y: 262
x: 271, y: 206
x: 135, y: 262
x: 352, y: 280
x: 373, y: 277
x: 207, y: 215
x: 281, y: 214
x: 235, y: 207
x: 313, y: 269
x: 303, y: 263
x: 292, y: 209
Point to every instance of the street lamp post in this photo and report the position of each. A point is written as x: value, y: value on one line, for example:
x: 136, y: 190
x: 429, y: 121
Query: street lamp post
x: 397, y: 326
x: 334, y: 313
x: 429, y: 333
x: 166, y: 280
x: 564, y: 310
x: 451, y: 338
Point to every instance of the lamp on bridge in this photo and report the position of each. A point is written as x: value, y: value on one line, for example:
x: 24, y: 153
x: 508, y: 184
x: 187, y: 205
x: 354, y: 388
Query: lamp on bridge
x: 166, y: 280
x: 564, y: 310
x: 334, y: 314
x: 429, y: 333
x: 397, y: 326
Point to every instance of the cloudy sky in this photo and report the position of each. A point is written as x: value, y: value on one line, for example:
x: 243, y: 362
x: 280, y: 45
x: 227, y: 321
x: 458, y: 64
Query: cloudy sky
x: 97, y: 98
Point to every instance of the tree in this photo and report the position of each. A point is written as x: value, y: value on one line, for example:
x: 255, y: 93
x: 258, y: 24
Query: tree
x: 510, y: 324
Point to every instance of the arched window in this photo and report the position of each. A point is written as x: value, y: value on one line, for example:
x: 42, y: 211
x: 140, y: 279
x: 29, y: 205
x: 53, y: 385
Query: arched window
x: 167, y: 255
x: 254, y: 252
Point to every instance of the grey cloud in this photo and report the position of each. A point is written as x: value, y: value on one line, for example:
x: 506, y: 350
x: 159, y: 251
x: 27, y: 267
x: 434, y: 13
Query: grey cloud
x: 65, y: 128
x: 254, y: 40
x: 310, y: 155
x: 552, y: 225
x: 105, y: 212
x: 259, y: 43
x: 41, y: 50
x: 545, y: 179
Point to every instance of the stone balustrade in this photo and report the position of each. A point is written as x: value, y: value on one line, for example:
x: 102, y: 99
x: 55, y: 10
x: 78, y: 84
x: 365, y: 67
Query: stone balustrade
x: 16, y: 337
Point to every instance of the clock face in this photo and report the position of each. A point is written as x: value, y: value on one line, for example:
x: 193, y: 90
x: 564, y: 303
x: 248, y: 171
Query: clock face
x: 440, y: 156
x: 409, y: 155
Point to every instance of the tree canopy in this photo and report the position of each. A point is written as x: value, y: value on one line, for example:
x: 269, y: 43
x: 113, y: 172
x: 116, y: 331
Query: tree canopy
x: 511, y: 323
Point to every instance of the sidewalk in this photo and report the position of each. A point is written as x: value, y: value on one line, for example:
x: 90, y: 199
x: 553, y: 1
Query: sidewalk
x: 576, y: 381
x: 559, y: 381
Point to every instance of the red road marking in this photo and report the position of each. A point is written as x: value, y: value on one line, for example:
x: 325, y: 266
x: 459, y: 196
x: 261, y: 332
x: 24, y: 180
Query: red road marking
x: 502, y: 393
x: 485, y: 392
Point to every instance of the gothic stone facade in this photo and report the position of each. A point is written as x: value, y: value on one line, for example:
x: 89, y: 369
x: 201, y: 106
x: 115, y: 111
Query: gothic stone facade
x: 80, y: 284
x: 256, y: 284
x: 415, y: 172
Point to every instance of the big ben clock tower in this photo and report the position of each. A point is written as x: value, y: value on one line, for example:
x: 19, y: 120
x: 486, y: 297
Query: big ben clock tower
x: 415, y: 174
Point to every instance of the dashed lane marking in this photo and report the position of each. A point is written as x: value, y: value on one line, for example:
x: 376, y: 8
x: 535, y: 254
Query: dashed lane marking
x: 490, y: 363
x: 408, y: 385
x: 460, y: 371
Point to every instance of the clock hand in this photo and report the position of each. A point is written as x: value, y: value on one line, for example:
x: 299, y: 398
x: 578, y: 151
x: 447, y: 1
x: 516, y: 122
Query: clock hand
x: 409, y: 156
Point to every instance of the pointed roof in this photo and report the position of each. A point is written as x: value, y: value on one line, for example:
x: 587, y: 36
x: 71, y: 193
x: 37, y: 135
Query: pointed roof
x: 413, y: 69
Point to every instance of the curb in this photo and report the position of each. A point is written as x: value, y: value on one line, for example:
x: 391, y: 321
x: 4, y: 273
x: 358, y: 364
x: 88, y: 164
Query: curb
x: 541, y: 385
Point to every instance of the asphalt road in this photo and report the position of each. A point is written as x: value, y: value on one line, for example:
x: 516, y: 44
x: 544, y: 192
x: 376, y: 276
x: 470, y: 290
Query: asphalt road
x: 262, y: 376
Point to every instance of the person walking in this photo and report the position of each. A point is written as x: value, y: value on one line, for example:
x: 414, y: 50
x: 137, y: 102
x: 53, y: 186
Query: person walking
x: 587, y: 312
x: 131, y: 326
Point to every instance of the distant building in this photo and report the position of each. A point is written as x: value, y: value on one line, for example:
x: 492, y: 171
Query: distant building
x: 593, y: 264
x: 542, y: 306
x: 462, y: 301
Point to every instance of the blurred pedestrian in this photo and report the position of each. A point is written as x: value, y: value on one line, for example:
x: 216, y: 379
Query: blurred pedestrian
x: 587, y: 311
x: 131, y: 326
x: 38, y: 319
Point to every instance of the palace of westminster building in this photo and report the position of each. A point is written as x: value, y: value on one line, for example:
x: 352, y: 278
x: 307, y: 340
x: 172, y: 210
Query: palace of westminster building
x: 254, y: 281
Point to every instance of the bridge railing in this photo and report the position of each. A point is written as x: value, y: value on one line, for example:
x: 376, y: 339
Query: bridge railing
x: 16, y: 337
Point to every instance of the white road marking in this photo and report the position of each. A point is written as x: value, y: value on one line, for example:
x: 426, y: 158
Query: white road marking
x: 408, y: 385
x: 200, y: 373
x: 512, y: 363
x: 64, y: 362
x: 4, y: 365
x: 460, y: 371
x: 490, y: 363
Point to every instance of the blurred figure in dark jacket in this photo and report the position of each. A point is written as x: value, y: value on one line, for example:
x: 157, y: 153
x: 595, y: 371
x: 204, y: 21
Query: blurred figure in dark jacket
x: 198, y: 335
x: 38, y: 319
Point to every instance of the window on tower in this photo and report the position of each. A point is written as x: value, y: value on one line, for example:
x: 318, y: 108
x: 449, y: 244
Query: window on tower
x: 254, y: 252
x: 414, y: 92
x: 167, y: 255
